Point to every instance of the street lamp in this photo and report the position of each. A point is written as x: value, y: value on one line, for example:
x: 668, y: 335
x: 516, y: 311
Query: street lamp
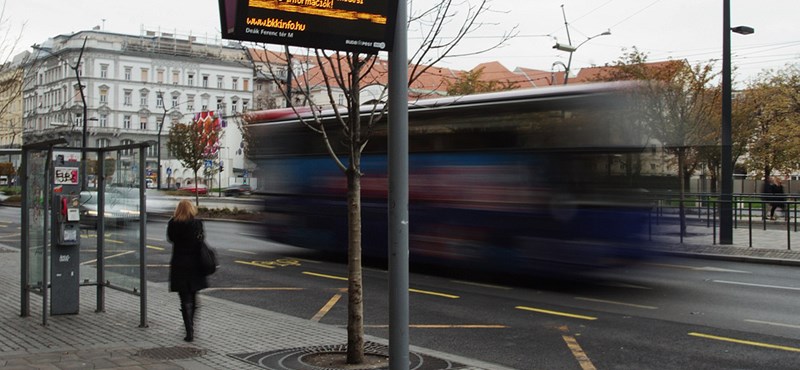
x: 76, y: 68
x: 726, y: 195
x: 571, y: 49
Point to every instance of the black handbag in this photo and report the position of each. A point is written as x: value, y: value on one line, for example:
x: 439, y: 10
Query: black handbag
x: 208, y: 257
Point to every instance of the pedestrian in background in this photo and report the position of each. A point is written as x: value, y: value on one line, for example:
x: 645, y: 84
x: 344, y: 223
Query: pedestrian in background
x: 778, y: 198
x: 185, y: 232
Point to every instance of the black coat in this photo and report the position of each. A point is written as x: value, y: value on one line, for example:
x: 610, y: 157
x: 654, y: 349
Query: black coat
x: 184, y: 266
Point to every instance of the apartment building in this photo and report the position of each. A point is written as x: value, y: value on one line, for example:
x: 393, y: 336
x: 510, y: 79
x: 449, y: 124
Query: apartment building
x: 135, y: 87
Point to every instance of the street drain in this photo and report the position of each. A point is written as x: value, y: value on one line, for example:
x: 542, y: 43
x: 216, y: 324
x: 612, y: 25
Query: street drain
x: 171, y: 353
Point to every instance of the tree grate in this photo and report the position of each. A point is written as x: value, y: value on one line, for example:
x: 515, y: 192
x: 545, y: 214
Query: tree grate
x: 293, y: 358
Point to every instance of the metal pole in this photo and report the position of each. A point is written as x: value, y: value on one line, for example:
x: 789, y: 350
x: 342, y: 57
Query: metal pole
x: 726, y: 195
x: 398, y: 194
x: 142, y: 240
x: 85, y: 116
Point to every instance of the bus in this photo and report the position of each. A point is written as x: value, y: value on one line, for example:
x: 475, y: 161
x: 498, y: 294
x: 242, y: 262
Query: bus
x: 536, y: 181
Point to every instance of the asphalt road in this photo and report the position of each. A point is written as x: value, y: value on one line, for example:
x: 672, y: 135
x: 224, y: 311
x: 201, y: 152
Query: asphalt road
x: 666, y: 314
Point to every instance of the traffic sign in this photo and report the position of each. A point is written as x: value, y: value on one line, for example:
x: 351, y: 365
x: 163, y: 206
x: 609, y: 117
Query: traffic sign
x: 169, y: 171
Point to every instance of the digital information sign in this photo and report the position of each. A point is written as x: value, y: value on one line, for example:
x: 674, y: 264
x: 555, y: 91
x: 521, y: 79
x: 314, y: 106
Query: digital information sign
x: 348, y: 25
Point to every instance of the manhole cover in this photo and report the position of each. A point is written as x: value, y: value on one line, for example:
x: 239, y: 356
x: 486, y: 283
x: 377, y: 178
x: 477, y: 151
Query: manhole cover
x: 305, y: 358
x: 171, y: 353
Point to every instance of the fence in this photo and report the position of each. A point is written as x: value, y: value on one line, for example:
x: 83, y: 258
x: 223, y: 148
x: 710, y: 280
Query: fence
x: 751, y: 213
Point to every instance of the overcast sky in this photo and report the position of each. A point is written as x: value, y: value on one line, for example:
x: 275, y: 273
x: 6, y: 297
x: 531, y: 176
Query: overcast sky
x: 665, y: 29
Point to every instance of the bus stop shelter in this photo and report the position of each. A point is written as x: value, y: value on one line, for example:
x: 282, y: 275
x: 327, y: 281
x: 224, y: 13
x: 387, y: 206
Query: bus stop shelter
x: 77, y: 214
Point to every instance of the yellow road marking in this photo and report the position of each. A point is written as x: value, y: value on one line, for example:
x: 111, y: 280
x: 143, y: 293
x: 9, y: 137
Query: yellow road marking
x: 556, y: 313
x: 255, y: 263
x: 325, y: 276
x: 241, y: 251
x: 115, y: 241
x: 309, y: 261
x: 154, y: 247
x: 577, y: 351
x: 328, y: 306
x: 445, y: 295
x: 445, y: 326
x: 747, y: 342
x: 410, y: 290
x: 253, y: 289
x: 616, y: 303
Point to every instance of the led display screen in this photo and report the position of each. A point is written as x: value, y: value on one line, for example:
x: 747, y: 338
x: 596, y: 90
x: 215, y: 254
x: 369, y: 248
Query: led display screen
x: 347, y: 25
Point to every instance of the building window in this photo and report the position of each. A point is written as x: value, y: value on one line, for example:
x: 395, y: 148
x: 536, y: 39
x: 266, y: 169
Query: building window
x: 190, y: 103
x: 205, y: 81
x: 175, y: 76
x: 103, y: 95
x: 144, y: 74
x: 190, y: 79
x: 159, y: 101
x: 175, y: 101
x: 126, y: 122
x: 234, y: 104
x: 103, y: 120
x: 220, y: 82
x: 246, y: 84
x: 234, y: 83
x: 128, y: 73
x: 220, y: 105
x: 128, y: 99
x: 104, y: 71
x: 143, y: 123
x: 143, y: 99
x: 102, y: 143
x: 126, y: 152
x: 160, y: 76
x: 244, y: 105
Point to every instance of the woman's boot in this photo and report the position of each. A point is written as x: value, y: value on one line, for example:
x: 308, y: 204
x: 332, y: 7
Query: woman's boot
x: 187, y: 311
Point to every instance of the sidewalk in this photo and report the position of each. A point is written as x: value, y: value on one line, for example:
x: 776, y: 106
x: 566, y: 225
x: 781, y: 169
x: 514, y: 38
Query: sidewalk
x: 774, y: 245
x: 113, y: 340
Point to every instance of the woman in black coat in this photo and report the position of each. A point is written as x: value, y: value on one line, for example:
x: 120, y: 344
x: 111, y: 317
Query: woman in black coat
x: 185, y: 232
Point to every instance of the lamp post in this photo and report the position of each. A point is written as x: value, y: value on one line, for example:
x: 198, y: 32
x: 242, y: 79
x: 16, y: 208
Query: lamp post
x: 158, y: 148
x: 726, y: 191
x: 568, y: 46
x: 76, y: 68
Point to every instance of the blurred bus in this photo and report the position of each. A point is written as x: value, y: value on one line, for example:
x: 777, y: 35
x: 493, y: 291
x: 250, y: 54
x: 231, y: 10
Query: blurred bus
x: 518, y: 181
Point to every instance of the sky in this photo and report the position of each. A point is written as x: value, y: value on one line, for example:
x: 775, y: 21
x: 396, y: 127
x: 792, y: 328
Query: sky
x: 663, y: 29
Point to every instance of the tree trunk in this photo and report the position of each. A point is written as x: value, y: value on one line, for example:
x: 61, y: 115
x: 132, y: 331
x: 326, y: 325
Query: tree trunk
x: 355, y: 306
x: 196, y: 191
x: 682, y: 196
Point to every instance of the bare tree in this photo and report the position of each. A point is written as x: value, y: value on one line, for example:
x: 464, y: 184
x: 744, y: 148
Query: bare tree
x: 11, y: 81
x: 348, y: 74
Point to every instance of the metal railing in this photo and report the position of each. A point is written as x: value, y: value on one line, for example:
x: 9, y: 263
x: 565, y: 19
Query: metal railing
x: 751, y: 212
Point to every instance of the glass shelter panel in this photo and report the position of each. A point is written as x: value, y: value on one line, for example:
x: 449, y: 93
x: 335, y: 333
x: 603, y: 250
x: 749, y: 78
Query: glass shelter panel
x: 122, y: 237
x: 88, y: 222
x: 36, y: 231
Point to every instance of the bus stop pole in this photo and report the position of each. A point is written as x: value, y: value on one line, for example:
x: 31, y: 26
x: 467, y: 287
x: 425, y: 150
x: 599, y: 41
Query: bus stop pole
x: 398, y: 194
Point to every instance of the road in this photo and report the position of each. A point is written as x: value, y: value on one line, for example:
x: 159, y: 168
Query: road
x: 666, y: 314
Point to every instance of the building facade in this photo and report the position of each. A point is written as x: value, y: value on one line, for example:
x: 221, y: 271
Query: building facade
x: 135, y: 88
